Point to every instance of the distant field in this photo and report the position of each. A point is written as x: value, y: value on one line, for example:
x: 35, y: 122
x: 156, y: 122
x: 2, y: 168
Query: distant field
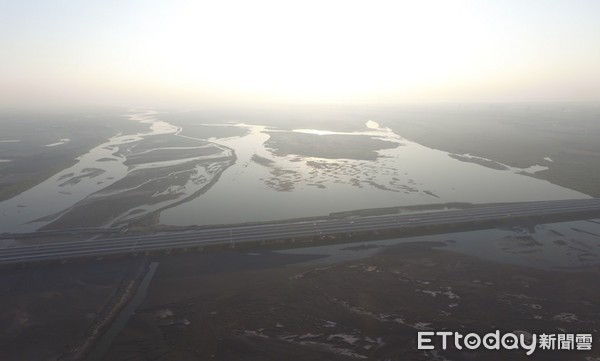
x: 518, y: 135
x: 563, y: 138
x: 357, y: 147
x: 32, y: 160
x: 515, y: 135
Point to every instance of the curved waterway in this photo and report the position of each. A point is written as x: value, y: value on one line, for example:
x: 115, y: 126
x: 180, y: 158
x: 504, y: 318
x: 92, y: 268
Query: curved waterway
x: 284, y: 187
x: 264, y: 185
x: 95, y: 170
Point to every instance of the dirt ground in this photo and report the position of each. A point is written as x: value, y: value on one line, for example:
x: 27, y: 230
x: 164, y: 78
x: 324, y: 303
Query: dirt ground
x: 46, y: 310
x: 368, y: 309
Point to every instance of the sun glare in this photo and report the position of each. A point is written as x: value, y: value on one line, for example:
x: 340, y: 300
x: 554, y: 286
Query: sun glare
x: 162, y: 52
x: 319, y: 50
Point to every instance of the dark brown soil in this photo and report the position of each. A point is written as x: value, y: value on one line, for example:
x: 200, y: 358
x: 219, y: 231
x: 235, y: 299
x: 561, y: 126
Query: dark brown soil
x: 46, y: 311
x: 367, y: 309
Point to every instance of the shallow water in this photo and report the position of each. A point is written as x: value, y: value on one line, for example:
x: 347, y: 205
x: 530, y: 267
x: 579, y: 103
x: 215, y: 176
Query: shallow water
x: 91, y: 173
x: 561, y: 245
x: 294, y: 186
x: 281, y: 187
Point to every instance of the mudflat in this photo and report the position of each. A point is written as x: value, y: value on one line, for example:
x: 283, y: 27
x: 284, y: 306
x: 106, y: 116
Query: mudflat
x: 366, y: 309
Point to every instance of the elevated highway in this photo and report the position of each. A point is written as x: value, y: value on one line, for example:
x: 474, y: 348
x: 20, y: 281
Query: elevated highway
x: 234, y: 235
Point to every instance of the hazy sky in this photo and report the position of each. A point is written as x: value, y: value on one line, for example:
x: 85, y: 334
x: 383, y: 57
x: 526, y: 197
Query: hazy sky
x: 185, y: 52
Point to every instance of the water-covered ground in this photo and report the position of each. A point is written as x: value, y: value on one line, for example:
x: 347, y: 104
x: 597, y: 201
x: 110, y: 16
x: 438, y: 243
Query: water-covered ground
x: 310, y: 172
x: 553, y: 246
x: 236, y: 172
x: 129, y: 176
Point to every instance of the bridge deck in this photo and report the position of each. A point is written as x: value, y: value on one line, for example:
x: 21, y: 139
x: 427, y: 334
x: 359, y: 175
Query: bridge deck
x: 275, y: 231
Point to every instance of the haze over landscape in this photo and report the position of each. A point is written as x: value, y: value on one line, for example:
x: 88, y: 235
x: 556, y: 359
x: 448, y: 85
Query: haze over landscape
x: 160, y: 53
x: 315, y: 180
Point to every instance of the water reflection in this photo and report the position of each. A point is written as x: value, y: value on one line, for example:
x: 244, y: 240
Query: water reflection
x: 263, y: 186
x: 562, y: 245
x: 328, y: 172
x: 94, y: 171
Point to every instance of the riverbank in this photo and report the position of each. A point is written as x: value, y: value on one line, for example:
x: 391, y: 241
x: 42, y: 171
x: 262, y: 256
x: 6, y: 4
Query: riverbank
x: 364, y: 309
x: 229, y: 303
x: 122, y: 296
x: 46, y: 311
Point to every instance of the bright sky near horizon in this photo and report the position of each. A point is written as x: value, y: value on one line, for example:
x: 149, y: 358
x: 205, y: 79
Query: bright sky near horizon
x: 176, y: 52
